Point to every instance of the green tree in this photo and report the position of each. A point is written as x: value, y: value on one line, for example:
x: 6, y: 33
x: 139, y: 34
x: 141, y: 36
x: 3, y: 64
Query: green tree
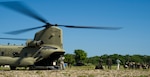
x: 104, y: 57
x: 137, y: 58
x: 117, y: 56
x: 146, y: 59
x: 127, y: 57
x: 93, y: 60
x: 80, y: 56
x: 69, y: 58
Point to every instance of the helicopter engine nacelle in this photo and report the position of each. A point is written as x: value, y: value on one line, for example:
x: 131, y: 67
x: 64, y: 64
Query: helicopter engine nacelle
x: 31, y: 43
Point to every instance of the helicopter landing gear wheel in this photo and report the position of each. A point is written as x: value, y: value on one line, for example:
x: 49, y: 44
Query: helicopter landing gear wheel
x: 31, y: 68
x: 12, y: 68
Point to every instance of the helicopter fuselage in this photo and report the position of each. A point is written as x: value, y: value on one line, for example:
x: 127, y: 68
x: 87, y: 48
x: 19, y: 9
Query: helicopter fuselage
x: 42, y: 51
x: 21, y: 56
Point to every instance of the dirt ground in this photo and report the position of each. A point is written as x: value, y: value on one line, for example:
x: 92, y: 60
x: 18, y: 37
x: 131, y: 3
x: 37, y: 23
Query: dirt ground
x: 75, y: 73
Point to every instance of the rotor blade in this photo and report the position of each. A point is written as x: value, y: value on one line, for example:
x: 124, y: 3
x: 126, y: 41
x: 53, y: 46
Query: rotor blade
x: 14, y: 39
x: 24, y: 30
x: 91, y: 27
x: 21, y: 8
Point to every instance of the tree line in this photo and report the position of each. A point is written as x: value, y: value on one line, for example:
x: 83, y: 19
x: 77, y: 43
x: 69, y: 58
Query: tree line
x: 80, y: 58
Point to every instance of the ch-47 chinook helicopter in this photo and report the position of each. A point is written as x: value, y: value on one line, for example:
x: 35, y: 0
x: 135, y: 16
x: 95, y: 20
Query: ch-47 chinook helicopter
x: 43, y: 50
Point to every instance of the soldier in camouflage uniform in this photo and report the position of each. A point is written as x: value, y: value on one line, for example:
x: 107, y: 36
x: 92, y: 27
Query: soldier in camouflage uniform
x: 109, y: 62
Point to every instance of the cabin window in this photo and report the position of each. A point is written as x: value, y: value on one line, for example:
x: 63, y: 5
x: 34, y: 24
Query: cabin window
x: 50, y: 36
x: 2, y: 53
x: 15, y: 54
x: 59, y: 36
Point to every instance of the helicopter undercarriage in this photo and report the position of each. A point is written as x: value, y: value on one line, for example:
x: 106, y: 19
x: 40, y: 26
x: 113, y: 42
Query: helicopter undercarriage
x: 48, y: 63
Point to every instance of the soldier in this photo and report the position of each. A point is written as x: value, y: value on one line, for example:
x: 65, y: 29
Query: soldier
x: 118, y: 63
x: 100, y: 63
x: 61, y: 60
x: 109, y: 62
x: 99, y: 66
x: 126, y: 65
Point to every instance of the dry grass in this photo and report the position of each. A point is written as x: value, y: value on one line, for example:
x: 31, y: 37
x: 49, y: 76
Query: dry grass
x: 76, y: 72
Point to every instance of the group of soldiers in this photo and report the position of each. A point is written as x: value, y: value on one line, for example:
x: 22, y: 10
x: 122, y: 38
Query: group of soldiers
x: 136, y: 65
x: 127, y: 65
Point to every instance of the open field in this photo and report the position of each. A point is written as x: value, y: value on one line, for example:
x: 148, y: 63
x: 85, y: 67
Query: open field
x: 76, y: 72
